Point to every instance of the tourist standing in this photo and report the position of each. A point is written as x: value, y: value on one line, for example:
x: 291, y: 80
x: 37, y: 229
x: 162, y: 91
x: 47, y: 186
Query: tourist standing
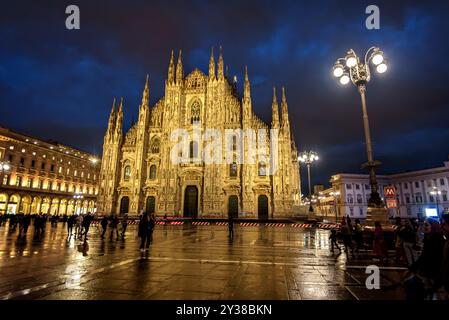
x: 79, y: 226
x: 379, y: 242
x: 408, y: 235
x: 144, y: 231
x: 358, y: 235
x: 231, y: 226
x: 152, y: 224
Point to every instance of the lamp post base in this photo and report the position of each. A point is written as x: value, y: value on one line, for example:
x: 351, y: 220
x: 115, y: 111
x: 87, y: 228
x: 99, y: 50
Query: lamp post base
x: 380, y: 214
x: 311, y: 215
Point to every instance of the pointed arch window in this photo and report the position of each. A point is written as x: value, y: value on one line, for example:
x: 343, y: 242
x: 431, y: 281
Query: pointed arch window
x: 153, y: 172
x: 155, y: 145
x: 195, y: 112
x: 127, y: 173
x: 233, y: 170
x: 262, y: 169
x: 193, y: 150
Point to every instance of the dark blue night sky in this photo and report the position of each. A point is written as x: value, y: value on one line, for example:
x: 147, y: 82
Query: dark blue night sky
x: 59, y: 84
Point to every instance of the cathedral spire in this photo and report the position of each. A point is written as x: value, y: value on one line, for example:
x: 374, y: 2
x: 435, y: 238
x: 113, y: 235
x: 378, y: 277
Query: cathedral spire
x: 246, y: 102
x: 274, y: 111
x: 171, y: 69
x: 113, y: 108
x: 179, y: 69
x: 220, y: 74
x: 146, y: 94
x: 284, y: 109
x: 119, y: 118
x: 212, y: 65
x: 112, y: 116
x: 246, y: 92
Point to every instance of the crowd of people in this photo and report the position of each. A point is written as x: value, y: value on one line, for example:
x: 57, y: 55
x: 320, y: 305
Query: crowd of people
x: 427, y: 259
x: 351, y: 236
x: 422, y: 247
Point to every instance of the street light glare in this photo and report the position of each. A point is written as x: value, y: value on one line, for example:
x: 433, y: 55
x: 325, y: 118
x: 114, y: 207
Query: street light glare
x: 351, y: 61
x: 338, y: 71
x: 381, y: 68
x: 378, y: 58
x: 6, y: 167
x: 344, y: 79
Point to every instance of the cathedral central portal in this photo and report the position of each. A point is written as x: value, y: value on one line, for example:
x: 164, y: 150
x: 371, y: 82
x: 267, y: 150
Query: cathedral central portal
x: 191, y: 202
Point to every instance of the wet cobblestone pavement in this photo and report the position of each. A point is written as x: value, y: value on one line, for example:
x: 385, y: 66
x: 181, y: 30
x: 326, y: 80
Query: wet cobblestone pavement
x: 188, y: 262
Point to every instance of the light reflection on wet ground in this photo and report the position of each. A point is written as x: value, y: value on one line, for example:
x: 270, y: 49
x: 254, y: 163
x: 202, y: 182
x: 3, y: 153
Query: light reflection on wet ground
x: 186, y: 262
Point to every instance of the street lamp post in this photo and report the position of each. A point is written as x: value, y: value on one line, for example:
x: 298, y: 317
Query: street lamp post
x: 308, y: 157
x: 335, y: 194
x: 359, y: 73
x: 436, y: 193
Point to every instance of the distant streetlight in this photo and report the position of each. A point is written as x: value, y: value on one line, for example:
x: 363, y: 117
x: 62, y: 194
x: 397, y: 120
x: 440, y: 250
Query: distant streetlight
x: 351, y: 69
x: 335, y: 194
x: 436, y: 193
x: 308, y: 157
x: 4, y: 167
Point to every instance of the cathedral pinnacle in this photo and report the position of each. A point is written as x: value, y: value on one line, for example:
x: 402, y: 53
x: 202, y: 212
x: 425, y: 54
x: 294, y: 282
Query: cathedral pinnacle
x: 274, y: 111
x: 220, y: 74
x: 171, y: 69
x: 212, y: 65
x: 179, y: 69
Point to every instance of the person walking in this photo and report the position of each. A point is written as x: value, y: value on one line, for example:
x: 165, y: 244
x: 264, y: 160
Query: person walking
x: 20, y: 219
x: 346, y: 236
x: 104, y: 224
x: 333, y: 239
x: 152, y: 224
x: 113, y: 225
x: 124, y: 225
x: 70, y: 222
x: 26, y: 224
x: 86, y: 224
x: 144, y: 232
x: 231, y: 226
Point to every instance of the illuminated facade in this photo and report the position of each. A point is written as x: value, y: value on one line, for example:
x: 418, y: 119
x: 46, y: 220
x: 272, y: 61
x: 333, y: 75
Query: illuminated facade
x: 415, y: 192
x: 138, y: 173
x: 45, y: 176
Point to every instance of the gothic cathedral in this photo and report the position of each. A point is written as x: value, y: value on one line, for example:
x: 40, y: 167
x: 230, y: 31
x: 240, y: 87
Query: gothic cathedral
x: 138, y: 172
